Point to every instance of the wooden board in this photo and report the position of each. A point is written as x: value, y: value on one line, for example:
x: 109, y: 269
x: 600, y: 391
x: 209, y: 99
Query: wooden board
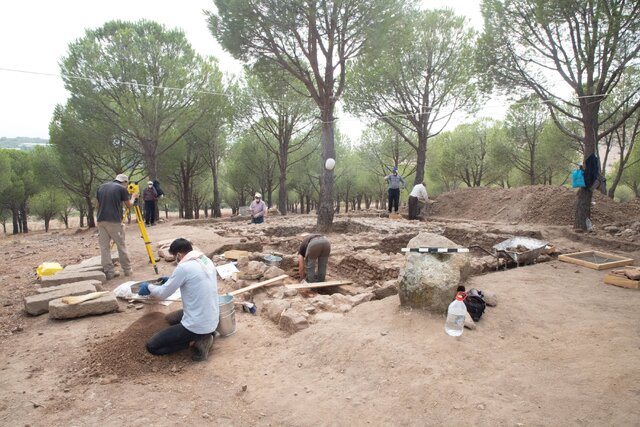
x: 617, y: 280
x: 319, y: 284
x: 616, y: 261
x: 395, y: 216
x: 259, y: 285
x: 235, y: 254
x: 73, y: 300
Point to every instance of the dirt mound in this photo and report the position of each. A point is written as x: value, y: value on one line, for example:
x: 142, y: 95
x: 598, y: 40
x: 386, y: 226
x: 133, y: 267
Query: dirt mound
x: 539, y: 204
x: 125, y: 355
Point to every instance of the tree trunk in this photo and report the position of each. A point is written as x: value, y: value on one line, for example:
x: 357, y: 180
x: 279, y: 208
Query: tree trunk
x: 421, y: 158
x: 46, y: 224
x: 23, y: 214
x: 282, y: 190
x: 14, y: 218
x: 325, y: 205
x: 590, y: 123
x: 91, y: 221
x: 216, y: 212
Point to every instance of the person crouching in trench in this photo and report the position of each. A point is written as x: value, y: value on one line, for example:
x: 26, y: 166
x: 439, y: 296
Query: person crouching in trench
x: 194, y: 326
x: 315, y: 249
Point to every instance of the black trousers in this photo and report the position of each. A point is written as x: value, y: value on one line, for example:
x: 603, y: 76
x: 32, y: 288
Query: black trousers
x: 394, y: 198
x: 414, y: 209
x: 149, y: 211
x: 174, y: 338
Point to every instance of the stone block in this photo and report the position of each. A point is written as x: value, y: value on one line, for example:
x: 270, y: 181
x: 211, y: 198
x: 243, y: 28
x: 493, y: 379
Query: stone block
x: 390, y: 287
x: 39, y: 303
x: 96, y: 283
x: 429, y: 281
x: 293, y: 321
x: 104, y: 304
x: 490, y: 298
x: 273, y: 271
x: 290, y: 292
x: 77, y: 267
x: 70, y: 277
x: 275, y: 308
x: 326, y: 316
x: 360, y: 298
x: 339, y: 299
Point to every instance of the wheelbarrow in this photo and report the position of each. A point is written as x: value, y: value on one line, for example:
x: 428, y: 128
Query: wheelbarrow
x: 519, y: 250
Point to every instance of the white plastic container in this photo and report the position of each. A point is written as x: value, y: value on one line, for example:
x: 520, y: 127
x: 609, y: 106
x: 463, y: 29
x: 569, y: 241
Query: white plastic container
x: 455, y: 316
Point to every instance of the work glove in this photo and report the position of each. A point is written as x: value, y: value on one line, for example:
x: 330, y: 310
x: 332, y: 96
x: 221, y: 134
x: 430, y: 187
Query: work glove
x: 144, y: 289
x: 162, y: 280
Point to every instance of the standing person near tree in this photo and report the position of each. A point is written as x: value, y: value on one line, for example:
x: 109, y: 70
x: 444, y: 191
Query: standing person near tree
x: 394, y: 180
x: 258, y: 209
x: 417, y: 199
x: 150, y: 195
x: 194, y: 326
x: 111, y: 196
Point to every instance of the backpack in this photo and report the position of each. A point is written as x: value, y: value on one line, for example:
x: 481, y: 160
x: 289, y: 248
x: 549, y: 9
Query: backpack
x: 475, y: 304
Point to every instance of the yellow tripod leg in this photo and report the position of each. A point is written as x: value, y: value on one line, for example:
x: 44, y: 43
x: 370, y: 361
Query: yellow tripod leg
x: 145, y: 237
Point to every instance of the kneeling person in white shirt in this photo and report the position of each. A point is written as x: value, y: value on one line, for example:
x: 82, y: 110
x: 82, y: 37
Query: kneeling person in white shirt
x: 193, y: 326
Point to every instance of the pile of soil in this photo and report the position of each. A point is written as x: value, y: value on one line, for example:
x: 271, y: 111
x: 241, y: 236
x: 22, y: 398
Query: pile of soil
x: 537, y: 204
x: 124, y: 355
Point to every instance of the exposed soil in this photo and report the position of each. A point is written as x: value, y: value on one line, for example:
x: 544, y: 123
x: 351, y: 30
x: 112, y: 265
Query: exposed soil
x: 560, y: 348
x: 538, y: 204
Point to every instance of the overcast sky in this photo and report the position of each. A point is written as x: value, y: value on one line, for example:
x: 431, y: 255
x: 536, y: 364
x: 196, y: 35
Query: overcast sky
x: 35, y: 35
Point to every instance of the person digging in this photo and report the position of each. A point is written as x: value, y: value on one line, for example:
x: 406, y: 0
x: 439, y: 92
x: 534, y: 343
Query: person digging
x: 194, y: 326
x: 314, y: 250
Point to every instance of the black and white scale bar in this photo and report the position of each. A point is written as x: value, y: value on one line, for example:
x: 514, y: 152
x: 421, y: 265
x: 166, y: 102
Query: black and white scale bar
x: 430, y: 250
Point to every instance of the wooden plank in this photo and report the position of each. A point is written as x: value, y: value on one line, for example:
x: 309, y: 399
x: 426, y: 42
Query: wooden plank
x: 235, y: 254
x: 82, y: 298
x: 612, y: 279
x: 259, y: 285
x: 571, y: 258
x: 319, y: 284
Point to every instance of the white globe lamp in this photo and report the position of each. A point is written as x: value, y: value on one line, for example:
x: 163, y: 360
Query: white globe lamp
x: 329, y: 164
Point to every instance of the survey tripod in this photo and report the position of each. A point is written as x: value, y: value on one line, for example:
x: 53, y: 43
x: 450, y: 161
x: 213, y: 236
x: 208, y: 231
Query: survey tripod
x: 133, y: 189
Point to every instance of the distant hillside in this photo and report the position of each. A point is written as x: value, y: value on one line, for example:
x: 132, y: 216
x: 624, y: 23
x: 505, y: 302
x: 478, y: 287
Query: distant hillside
x: 22, y: 142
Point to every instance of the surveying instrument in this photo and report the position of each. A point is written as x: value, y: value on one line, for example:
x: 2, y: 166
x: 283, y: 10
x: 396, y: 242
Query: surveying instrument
x: 133, y: 188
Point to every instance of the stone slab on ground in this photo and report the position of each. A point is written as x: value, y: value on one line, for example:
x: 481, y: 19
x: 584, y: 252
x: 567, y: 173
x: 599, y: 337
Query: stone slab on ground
x: 104, y: 304
x: 90, y: 264
x: 39, y: 303
x: 70, y: 277
x: 95, y: 283
x: 77, y: 267
x: 292, y: 321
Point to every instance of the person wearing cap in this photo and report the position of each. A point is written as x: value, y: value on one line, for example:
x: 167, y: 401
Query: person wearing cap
x: 314, y: 249
x: 150, y: 195
x: 394, y: 180
x: 111, y: 195
x: 258, y: 208
x: 417, y: 199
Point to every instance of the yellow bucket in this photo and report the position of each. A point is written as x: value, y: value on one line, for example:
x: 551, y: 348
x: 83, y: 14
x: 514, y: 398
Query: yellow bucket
x: 48, y: 269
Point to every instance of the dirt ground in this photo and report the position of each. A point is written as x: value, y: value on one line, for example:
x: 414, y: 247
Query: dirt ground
x: 560, y: 348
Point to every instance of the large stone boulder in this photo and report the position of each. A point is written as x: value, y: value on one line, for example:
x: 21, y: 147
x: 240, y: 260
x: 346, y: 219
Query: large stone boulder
x: 429, y: 281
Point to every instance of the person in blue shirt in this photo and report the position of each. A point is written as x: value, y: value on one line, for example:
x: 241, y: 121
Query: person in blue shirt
x: 394, y: 180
